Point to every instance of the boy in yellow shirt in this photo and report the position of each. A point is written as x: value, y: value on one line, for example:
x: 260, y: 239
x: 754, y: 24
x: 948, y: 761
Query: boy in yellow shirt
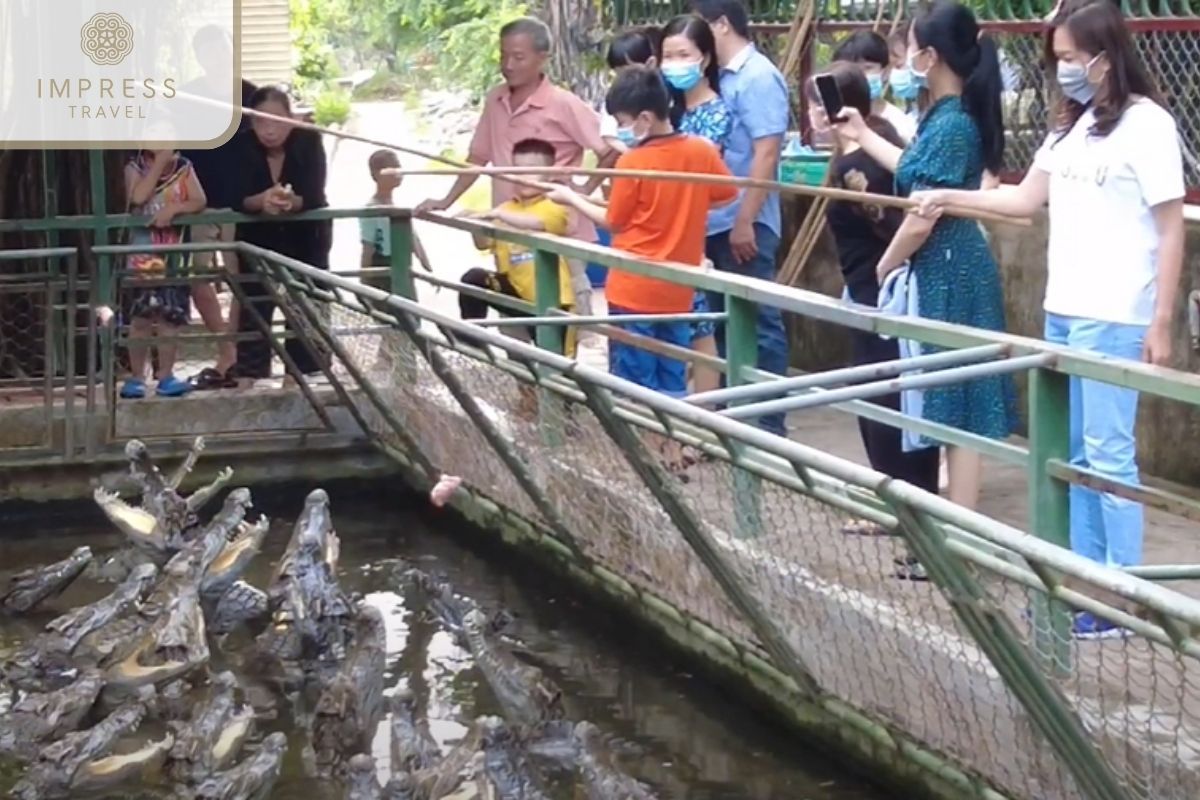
x: 530, y: 210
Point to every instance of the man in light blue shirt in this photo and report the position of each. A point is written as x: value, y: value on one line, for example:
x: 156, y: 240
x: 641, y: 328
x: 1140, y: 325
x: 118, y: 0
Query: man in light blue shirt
x: 743, y: 237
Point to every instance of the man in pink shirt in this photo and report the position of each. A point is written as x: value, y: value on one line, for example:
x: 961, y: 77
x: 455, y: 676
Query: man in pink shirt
x: 528, y: 106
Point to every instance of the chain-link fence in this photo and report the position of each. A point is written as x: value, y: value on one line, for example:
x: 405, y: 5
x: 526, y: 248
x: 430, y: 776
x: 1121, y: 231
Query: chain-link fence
x: 761, y: 558
x: 47, y: 344
x: 1167, y: 36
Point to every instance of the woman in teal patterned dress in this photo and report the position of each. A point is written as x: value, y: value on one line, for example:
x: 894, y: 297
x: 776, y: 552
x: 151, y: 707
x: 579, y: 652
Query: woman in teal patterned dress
x: 960, y: 135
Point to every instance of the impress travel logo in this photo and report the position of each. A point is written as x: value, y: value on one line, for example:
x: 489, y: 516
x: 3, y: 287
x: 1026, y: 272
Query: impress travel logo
x: 106, y: 39
x: 119, y: 73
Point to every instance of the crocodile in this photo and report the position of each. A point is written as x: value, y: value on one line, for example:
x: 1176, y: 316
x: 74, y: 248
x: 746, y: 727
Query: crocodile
x: 252, y: 779
x: 65, y: 632
x: 161, y: 497
x: 180, y: 576
x: 350, y: 707
x: 413, y: 748
x: 449, y: 607
x: 507, y: 774
x: 173, y: 645
x: 46, y: 663
x: 313, y: 539
x: 240, y: 603
x: 527, y: 697
x: 228, y: 601
x: 188, y: 567
x: 211, y: 740
x: 43, y: 717
x: 80, y: 763
x: 143, y: 530
x: 601, y: 780
x: 116, y: 566
x: 310, y: 614
x: 165, y: 521
x: 362, y: 783
x: 29, y: 588
x: 444, y: 777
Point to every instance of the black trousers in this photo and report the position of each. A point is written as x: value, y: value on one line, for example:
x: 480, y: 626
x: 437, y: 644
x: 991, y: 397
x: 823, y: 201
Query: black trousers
x: 254, y: 355
x: 476, y: 307
x: 883, y: 442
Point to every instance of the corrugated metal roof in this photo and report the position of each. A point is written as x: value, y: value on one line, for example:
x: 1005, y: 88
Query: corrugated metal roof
x: 266, y: 41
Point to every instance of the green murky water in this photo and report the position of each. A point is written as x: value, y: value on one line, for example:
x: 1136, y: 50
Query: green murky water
x: 672, y: 730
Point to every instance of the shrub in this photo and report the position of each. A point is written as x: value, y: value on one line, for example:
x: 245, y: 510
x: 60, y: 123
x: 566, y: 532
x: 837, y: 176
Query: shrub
x: 332, y: 107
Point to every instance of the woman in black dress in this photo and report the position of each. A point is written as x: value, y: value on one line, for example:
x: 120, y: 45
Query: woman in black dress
x: 861, y: 233
x: 282, y: 171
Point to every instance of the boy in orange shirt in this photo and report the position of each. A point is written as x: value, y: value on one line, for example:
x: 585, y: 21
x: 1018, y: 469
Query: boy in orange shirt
x: 657, y: 220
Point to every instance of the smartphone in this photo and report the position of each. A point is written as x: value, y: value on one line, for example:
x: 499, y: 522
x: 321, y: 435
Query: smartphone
x: 831, y: 96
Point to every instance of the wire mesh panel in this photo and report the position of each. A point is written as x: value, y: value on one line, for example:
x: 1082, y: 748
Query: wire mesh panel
x: 898, y: 651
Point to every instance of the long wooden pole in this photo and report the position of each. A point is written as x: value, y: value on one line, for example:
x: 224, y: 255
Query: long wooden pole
x: 354, y: 137
x: 830, y: 193
x: 512, y: 174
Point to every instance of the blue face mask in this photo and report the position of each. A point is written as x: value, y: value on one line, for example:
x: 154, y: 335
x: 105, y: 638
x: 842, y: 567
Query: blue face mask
x: 628, y: 137
x: 1073, y: 80
x: 920, y: 79
x: 903, y: 85
x: 682, y: 75
x: 875, y: 83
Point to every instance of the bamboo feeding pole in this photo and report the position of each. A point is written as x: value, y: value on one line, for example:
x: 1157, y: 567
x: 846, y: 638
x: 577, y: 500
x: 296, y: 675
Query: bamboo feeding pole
x: 354, y: 137
x: 810, y: 228
x: 829, y: 193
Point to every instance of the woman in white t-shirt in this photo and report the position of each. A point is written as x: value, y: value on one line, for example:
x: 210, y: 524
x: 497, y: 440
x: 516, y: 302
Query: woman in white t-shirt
x: 1112, y: 173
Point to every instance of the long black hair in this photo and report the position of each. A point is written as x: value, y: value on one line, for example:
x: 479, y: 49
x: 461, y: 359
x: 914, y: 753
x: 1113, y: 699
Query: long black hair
x: 636, y: 46
x: 698, y: 32
x: 950, y: 28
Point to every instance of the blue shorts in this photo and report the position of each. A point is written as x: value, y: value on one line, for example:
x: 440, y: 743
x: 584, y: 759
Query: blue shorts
x: 705, y: 327
x: 653, y: 371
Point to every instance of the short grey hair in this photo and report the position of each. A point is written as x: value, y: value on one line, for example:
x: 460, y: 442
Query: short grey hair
x: 537, y: 31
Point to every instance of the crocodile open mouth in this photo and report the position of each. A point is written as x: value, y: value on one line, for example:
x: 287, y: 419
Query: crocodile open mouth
x: 130, y: 673
x: 174, y: 646
x: 232, y: 736
x: 230, y: 555
x: 116, y: 769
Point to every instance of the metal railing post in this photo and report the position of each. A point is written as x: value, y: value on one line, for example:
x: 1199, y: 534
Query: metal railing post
x: 400, y: 226
x: 741, y: 354
x: 106, y: 291
x: 547, y: 296
x: 1049, y: 505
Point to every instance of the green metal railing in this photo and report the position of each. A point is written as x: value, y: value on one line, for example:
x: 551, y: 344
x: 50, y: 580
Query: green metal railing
x: 1003, y: 594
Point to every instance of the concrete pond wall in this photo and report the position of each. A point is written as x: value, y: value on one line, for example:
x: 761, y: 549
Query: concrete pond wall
x: 1164, y: 427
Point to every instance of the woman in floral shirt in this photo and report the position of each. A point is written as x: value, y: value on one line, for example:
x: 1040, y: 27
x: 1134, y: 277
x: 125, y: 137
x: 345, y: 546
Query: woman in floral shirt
x: 689, y: 66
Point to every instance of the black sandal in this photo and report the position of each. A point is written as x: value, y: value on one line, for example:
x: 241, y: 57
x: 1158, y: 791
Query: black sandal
x: 208, y: 379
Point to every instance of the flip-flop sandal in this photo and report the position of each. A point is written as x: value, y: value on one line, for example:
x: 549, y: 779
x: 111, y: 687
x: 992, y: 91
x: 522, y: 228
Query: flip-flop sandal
x: 171, y: 386
x: 133, y: 389
x: 209, y: 378
x: 864, y: 527
x: 206, y: 379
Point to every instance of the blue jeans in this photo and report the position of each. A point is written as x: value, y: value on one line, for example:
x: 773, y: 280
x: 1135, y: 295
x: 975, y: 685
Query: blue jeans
x: 1105, y: 528
x: 772, y: 338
